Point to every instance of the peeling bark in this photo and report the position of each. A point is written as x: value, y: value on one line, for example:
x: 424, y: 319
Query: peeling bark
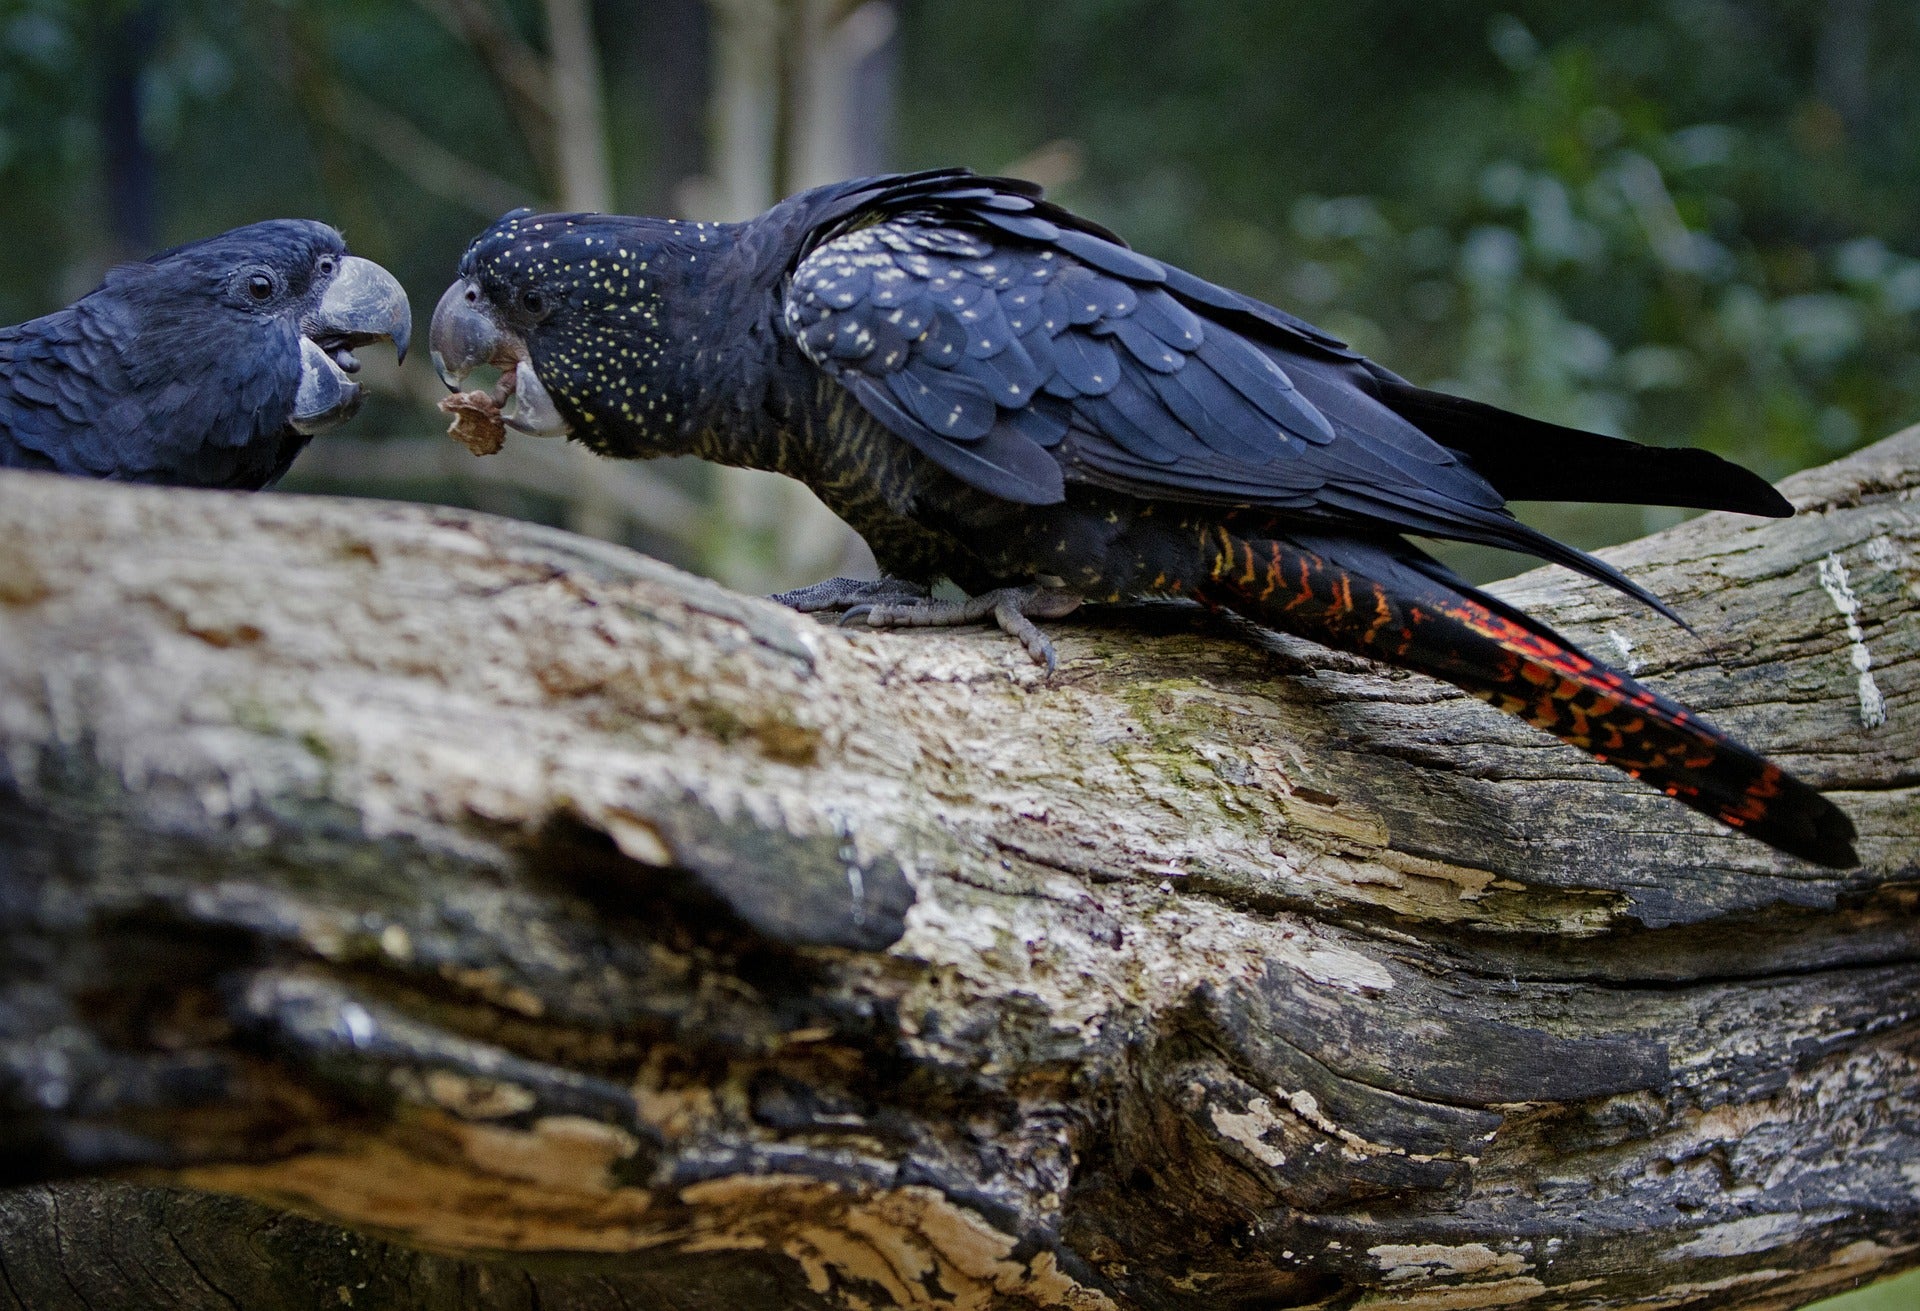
x: 618, y: 940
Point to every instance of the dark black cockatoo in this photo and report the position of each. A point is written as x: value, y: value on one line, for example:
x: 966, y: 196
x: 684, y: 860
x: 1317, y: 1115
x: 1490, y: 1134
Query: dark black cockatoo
x: 208, y: 365
x: 995, y: 392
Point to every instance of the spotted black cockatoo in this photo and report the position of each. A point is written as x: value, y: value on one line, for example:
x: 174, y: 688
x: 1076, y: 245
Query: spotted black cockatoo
x: 998, y: 393
x: 208, y: 365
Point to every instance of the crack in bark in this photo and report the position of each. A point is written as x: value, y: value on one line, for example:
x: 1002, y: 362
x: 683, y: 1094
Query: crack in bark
x: 6, y: 1280
x: 206, y: 1281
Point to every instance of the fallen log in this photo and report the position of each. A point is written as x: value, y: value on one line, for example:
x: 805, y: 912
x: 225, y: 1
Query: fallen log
x: 533, y: 919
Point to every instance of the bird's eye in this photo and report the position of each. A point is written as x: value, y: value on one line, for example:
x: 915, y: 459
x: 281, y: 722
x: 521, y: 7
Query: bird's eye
x: 326, y: 265
x: 533, y: 302
x: 260, y: 287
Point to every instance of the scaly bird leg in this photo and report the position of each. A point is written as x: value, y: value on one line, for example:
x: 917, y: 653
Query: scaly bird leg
x: 1013, y: 608
x: 840, y: 593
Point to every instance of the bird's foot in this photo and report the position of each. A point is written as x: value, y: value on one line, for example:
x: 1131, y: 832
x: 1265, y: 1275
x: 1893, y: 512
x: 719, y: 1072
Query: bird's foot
x: 1013, y: 608
x: 840, y: 593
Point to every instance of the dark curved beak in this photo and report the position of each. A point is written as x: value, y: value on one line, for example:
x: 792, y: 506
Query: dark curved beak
x: 466, y: 334
x: 364, y: 303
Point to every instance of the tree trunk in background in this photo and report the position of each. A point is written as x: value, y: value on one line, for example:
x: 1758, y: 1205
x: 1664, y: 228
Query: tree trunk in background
x: 1843, y: 61
x: 798, y: 89
x: 133, y: 209
x: 579, y: 121
x: 668, y: 42
x: 585, y: 180
x: 631, y: 942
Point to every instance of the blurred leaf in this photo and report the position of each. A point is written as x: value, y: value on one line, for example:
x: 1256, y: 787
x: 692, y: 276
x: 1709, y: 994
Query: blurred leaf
x: 1901, y: 1293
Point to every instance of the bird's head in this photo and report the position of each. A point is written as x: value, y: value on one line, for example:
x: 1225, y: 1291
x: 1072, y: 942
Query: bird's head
x: 291, y: 278
x: 591, y: 318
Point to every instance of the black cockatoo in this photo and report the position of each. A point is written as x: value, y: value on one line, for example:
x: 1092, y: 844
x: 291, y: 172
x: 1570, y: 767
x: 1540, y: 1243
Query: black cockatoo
x: 998, y: 393
x: 208, y: 365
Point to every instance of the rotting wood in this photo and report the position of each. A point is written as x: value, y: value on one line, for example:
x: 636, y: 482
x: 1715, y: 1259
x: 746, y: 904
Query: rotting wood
x: 515, y: 897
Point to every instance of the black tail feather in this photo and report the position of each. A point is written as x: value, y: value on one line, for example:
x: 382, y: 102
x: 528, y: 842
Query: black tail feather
x: 1531, y: 460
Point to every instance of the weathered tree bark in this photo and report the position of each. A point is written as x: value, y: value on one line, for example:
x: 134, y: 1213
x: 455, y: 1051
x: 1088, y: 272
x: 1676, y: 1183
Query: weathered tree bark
x: 627, y: 942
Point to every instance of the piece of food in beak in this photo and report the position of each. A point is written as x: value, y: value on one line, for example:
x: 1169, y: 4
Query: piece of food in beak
x: 466, y: 334
x: 476, y: 421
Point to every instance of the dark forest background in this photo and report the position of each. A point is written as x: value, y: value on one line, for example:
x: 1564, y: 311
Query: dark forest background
x: 1684, y: 221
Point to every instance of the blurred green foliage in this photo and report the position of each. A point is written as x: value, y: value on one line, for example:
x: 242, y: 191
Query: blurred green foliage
x: 231, y: 106
x: 1898, y: 1294
x: 1679, y: 220
x: 1684, y: 221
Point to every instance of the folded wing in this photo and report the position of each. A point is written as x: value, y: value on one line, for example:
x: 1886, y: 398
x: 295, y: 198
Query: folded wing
x: 1022, y: 349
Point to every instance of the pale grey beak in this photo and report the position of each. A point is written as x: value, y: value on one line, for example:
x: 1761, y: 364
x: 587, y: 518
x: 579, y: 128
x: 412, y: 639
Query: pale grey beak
x: 533, y: 412
x: 466, y: 334
x: 327, y: 396
x: 364, y: 303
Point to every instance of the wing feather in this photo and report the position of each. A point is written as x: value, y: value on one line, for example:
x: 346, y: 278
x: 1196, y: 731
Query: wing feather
x: 952, y: 406
x: 1008, y: 465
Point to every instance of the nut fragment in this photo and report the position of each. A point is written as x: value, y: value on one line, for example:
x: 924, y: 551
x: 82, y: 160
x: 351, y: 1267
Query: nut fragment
x: 476, y: 421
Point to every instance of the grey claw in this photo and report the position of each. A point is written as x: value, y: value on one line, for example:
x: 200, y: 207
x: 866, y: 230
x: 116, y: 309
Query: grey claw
x: 1012, y: 608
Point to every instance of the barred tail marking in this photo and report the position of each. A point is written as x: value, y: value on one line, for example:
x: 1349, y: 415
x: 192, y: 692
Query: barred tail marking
x: 1386, y: 601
